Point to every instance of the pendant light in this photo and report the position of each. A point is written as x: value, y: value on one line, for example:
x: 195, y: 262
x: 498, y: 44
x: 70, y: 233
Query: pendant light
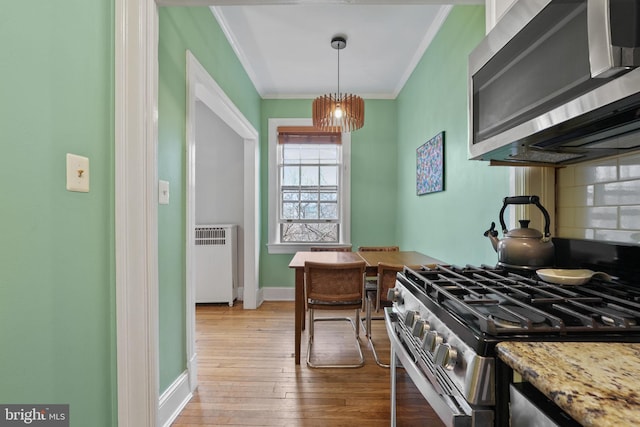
x: 338, y: 112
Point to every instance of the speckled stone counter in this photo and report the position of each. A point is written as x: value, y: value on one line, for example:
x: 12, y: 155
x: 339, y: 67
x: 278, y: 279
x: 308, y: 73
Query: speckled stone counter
x: 598, y: 384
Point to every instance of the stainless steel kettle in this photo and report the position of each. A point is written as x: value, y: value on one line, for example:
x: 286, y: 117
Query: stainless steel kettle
x: 524, y: 247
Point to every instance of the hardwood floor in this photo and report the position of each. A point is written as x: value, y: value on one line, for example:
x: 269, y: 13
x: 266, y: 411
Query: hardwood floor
x: 247, y: 375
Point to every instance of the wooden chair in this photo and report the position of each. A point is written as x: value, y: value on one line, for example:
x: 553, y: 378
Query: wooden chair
x: 330, y: 248
x: 386, y: 280
x: 334, y: 286
x: 371, y: 282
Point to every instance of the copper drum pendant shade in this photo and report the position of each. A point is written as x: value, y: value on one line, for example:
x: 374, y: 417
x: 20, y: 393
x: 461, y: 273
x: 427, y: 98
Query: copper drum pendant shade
x: 338, y: 112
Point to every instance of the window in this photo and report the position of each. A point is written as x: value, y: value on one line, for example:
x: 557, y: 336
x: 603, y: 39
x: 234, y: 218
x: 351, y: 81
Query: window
x: 308, y: 186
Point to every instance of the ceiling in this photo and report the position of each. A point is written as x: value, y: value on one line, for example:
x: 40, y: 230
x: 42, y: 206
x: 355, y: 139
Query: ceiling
x: 285, y: 45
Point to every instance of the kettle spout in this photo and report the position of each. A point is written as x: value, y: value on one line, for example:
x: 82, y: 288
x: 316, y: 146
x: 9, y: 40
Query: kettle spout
x: 492, y: 234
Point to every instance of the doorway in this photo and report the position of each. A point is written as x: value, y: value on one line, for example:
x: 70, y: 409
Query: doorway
x: 205, y: 98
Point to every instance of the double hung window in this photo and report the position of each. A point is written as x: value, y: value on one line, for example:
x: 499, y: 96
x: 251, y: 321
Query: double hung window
x: 309, y: 187
x: 309, y: 183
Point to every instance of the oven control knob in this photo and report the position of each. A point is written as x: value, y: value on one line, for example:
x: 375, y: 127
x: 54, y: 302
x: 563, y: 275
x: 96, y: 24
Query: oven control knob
x: 420, y: 328
x: 446, y: 356
x: 431, y: 341
x: 393, y: 295
x: 411, y: 318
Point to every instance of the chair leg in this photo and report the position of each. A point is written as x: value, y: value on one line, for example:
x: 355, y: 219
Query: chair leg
x: 375, y: 355
x: 355, y: 326
x: 368, y: 331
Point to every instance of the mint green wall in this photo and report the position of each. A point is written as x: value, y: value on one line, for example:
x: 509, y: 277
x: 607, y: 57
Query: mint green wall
x: 182, y: 29
x: 57, y: 285
x: 385, y: 207
x: 373, y: 180
x: 447, y: 225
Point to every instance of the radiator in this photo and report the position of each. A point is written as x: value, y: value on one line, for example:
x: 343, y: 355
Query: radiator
x: 216, y: 264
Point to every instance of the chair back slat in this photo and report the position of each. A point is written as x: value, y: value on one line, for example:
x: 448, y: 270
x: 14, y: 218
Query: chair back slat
x: 334, y: 282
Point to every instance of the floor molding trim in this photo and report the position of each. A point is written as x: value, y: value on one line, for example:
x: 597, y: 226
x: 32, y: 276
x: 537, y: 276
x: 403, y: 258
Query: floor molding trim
x: 173, y: 400
x: 278, y: 294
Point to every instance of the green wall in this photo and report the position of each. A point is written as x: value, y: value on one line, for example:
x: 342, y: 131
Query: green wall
x: 385, y: 208
x: 373, y: 181
x: 57, y: 285
x: 182, y: 29
x: 57, y: 274
x: 447, y: 225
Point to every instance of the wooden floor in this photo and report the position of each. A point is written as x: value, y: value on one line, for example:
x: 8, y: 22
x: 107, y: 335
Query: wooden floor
x: 247, y: 375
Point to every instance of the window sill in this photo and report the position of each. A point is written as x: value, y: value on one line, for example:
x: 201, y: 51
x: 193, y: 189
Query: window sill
x: 292, y: 248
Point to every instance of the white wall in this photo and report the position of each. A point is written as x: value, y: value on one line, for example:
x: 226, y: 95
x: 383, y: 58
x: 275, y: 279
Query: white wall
x: 219, y: 176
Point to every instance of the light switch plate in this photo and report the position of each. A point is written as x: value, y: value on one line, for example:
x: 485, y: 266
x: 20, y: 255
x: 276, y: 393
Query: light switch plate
x: 163, y: 192
x: 77, y: 173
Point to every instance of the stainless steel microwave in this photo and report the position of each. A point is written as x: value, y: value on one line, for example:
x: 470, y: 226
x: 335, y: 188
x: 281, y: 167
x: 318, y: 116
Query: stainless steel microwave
x: 556, y: 82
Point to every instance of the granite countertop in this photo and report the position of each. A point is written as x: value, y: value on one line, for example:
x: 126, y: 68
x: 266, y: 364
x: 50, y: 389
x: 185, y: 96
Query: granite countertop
x: 598, y: 384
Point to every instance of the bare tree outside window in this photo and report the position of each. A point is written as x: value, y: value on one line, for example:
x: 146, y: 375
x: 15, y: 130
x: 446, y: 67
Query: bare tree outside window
x: 309, y: 192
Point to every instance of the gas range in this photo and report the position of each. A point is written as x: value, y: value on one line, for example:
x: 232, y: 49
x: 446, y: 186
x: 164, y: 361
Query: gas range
x: 484, y: 305
x: 445, y: 322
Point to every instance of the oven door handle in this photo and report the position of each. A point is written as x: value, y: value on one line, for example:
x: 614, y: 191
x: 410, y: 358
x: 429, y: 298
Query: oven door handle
x: 451, y: 411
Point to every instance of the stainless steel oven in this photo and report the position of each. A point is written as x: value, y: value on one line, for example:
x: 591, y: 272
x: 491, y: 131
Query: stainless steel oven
x: 445, y: 323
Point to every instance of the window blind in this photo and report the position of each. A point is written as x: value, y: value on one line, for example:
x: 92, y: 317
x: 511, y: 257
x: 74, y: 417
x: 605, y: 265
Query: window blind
x: 307, y: 135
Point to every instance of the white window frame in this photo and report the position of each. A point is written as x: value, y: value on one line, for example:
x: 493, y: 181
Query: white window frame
x: 274, y: 245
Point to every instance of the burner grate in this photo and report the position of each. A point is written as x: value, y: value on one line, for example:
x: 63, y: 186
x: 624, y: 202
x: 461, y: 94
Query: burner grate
x: 500, y: 302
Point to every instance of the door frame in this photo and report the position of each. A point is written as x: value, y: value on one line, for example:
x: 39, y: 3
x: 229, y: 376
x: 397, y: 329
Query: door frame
x: 136, y: 205
x: 136, y: 211
x: 202, y: 87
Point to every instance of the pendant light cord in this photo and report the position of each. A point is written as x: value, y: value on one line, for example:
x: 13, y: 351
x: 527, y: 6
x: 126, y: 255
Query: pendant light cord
x: 338, y: 72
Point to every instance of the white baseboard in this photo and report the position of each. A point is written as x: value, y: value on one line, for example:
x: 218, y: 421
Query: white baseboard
x: 173, y: 400
x: 278, y: 294
x: 192, y: 372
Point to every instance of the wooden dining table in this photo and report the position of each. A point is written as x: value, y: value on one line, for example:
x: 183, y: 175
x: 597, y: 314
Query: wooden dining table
x: 408, y: 258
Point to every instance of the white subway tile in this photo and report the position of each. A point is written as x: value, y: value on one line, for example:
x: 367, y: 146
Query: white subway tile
x: 566, y: 176
x: 629, y: 166
x: 600, y: 200
x: 618, y: 236
x: 597, y: 217
x: 594, y: 172
x: 588, y: 193
x: 566, y: 217
x: 618, y: 193
x: 630, y: 217
x: 566, y: 197
x: 575, y: 196
x: 575, y: 233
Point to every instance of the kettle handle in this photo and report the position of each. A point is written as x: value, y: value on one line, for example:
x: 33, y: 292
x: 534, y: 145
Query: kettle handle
x: 525, y: 200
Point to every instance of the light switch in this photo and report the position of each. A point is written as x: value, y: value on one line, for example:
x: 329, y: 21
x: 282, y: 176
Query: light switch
x: 77, y: 173
x: 163, y: 192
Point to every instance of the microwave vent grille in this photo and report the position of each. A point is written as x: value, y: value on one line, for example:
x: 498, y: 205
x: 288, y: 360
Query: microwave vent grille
x: 545, y: 156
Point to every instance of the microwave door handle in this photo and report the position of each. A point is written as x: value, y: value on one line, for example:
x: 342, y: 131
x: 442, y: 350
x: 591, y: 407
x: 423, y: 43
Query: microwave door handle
x: 604, y: 58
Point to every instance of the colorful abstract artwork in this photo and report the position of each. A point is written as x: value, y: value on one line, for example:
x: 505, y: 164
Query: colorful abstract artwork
x: 430, y: 166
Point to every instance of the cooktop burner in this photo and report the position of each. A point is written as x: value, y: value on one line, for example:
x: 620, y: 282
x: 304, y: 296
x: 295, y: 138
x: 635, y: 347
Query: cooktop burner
x: 498, y: 302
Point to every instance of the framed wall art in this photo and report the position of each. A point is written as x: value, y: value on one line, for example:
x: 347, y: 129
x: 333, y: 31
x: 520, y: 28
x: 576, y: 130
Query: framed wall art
x: 430, y: 166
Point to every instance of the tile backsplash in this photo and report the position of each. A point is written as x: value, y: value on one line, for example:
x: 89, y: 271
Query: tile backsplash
x: 600, y: 200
